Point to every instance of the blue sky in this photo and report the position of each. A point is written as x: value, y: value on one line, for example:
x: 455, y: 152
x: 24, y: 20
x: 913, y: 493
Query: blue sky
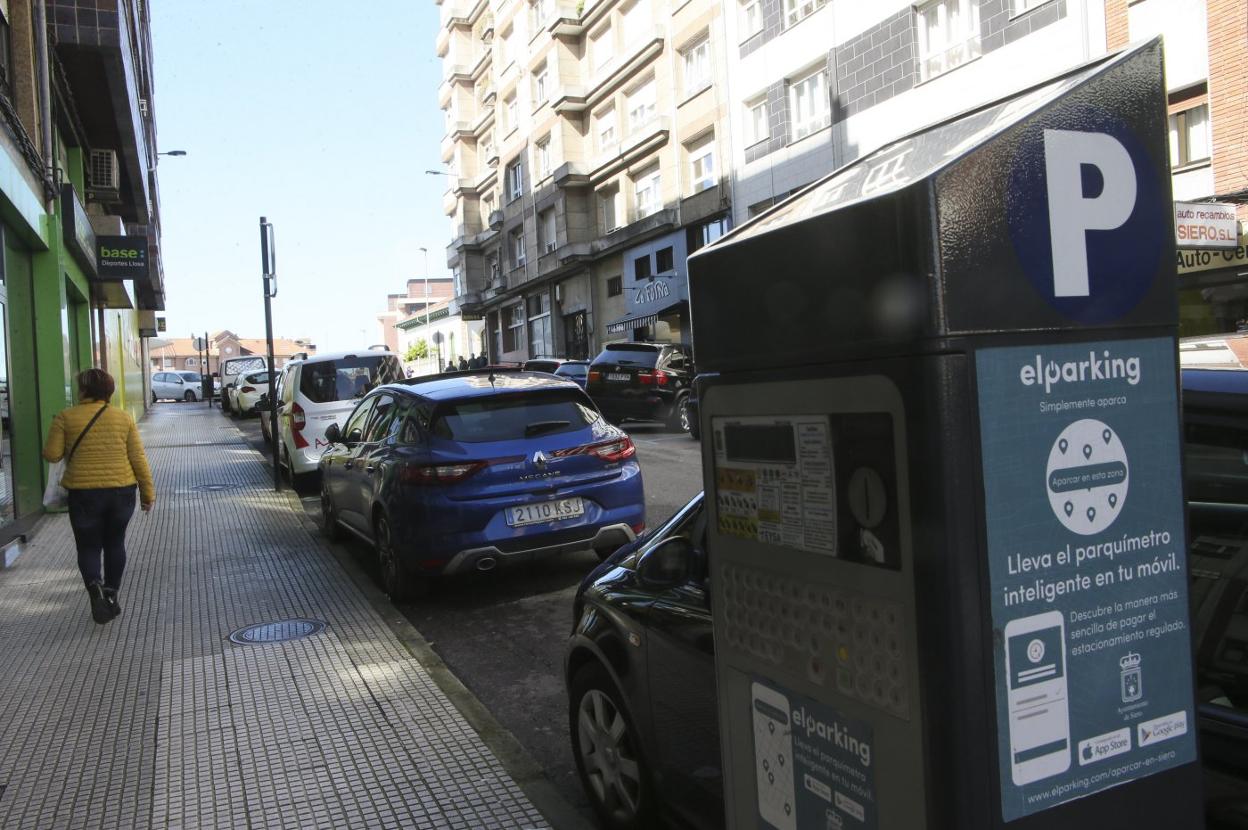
x: 321, y: 116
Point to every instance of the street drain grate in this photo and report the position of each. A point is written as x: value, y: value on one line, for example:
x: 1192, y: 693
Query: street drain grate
x: 277, y: 632
x: 211, y: 488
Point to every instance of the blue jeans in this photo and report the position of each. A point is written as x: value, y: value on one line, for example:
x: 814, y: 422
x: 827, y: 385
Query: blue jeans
x: 99, y: 518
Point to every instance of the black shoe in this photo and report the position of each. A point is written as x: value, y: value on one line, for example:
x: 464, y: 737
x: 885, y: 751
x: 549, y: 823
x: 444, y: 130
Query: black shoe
x: 99, y: 606
x: 114, y: 607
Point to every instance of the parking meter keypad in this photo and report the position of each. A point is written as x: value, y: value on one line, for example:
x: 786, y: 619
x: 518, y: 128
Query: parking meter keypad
x: 828, y: 635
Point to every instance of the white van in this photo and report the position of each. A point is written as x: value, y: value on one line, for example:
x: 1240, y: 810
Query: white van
x: 321, y: 390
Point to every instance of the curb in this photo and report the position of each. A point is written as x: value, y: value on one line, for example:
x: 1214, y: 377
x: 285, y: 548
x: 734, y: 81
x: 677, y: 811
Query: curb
x: 521, y: 766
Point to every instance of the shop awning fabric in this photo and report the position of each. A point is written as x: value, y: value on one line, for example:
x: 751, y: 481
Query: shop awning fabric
x: 636, y: 321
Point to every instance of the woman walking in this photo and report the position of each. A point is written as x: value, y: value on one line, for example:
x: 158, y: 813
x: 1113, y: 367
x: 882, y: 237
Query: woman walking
x: 104, y: 463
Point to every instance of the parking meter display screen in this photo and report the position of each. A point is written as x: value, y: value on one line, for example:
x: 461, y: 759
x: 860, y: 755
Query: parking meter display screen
x: 1085, y: 521
x: 819, y: 483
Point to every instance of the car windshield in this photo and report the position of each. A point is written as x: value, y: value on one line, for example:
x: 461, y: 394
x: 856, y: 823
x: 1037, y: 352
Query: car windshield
x: 572, y: 370
x: 627, y: 354
x: 509, y: 417
x: 346, y: 378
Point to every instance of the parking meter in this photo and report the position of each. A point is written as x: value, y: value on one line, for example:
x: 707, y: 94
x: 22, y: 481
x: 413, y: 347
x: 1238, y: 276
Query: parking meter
x: 942, y: 462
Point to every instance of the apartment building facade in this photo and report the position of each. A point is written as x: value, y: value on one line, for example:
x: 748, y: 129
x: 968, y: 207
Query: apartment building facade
x: 584, y: 146
x: 77, y: 167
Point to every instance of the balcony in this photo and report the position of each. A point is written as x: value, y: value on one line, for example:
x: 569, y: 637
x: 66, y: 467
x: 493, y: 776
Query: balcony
x: 626, y: 65
x: 103, y: 59
x: 569, y: 99
x: 645, y: 139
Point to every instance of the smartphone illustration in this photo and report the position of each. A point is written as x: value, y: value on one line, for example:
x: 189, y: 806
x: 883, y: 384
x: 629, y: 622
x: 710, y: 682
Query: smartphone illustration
x: 773, y: 757
x: 1035, y: 668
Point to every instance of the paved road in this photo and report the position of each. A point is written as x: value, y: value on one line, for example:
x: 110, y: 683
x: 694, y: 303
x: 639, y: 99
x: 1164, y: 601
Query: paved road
x: 502, y: 633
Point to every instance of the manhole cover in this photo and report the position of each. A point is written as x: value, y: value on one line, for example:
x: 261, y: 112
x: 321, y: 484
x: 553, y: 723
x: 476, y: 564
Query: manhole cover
x: 277, y: 632
x: 210, y: 488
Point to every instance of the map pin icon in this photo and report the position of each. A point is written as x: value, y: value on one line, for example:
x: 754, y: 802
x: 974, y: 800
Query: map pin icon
x: 1070, y: 508
x: 1062, y: 445
x: 1113, y: 499
x: 1106, y: 435
x: 1087, y: 450
x: 1091, y: 513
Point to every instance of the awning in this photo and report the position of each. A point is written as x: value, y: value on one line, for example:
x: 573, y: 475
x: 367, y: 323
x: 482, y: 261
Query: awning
x: 640, y: 319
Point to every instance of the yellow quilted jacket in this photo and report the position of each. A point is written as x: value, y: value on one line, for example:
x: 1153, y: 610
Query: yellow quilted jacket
x: 111, y: 454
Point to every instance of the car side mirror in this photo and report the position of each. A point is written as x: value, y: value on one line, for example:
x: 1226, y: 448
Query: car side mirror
x: 668, y: 564
x: 333, y: 435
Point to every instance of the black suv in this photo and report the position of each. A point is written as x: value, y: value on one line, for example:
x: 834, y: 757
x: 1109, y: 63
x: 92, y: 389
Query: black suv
x: 642, y: 382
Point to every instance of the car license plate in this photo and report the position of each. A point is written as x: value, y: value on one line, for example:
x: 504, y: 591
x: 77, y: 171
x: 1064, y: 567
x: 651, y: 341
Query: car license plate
x: 624, y: 376
x: 546, y: 511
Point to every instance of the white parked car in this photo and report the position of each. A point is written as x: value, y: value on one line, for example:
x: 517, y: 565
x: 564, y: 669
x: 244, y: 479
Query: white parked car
x: 176, y: 386
x: 231, y: 370
x: 321, y: 390
x: 247, y: 391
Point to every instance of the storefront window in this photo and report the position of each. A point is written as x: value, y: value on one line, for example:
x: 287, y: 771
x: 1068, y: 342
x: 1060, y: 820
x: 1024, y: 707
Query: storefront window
x: 7, y: 506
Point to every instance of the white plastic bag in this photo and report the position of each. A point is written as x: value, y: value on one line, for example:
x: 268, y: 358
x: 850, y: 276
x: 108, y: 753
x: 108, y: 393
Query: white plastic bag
x: 56, y: 497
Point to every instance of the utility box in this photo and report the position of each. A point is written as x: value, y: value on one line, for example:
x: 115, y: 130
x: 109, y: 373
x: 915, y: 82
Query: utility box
x: 941, y: 450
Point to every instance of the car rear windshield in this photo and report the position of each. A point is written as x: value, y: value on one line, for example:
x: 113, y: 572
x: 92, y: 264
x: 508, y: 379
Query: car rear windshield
x: 346, y: 378
x: 573, y: 370
x: 257, y: 377
x: 193, y: 376
x: 627, y: 354
x: 237, y: 367
x: 511, y: 417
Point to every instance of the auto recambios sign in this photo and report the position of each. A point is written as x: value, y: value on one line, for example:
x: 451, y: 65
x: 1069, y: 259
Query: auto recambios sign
x: 121, y: 257
x: 1205, y: 225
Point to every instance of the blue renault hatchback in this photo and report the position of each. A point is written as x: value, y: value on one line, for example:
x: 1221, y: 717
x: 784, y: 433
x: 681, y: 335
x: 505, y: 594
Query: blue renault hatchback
x: 447, y: 474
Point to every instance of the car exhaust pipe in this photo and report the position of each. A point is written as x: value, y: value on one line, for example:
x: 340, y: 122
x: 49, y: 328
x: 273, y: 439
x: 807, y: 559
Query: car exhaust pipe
x: 486, y: 563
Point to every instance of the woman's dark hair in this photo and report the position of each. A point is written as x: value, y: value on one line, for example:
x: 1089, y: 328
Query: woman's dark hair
x: 95, y: 384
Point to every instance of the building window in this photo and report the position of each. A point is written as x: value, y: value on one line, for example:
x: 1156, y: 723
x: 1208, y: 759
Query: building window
x: 191, y: 362
x: 1021, y: 6
x: 646, y: 197
x: 751, y: 18
x: 513, y: 327
x: 948, y: 36
x: 539, y: 85
x: 541, y: 344
x: 496, y: 274
x: 641, y: 268
x: 541, y: 157
x: 1189, y: 136
x: 546, y: 230
x: 615, y: 286
x: 167, y: 363
x: 608, y: 198
x: 515, y: 245
x: 664, y: 262
x: 487, y: 148
x: 702, y: 164
x: 487, y: 207
x: 515, y: 180
x: 541, y: 13
x: 509, y: 113
x: 636, y: 22
x: 602, y: 47
x: 641, y: 106
x: 797, y: 10
x: 697, y: 66
x: 808, y: 101
x: 507, y: 47
x: 756, y: 128
x: 604, y: 128
x: 706, y: 233
x: 6, y: 53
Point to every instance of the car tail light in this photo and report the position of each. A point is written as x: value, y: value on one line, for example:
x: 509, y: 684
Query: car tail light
x: 617, y: 450
x: 594, y: 376
x: 298, y: 420
x: 437, y: 474
x: 248, y: 389
x: 639, y: 528
x: 655, y: 378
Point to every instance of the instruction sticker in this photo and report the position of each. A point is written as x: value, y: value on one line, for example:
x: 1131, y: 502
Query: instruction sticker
x: 813, y: 765
x: 1088, y: 570
x: 774, y: 481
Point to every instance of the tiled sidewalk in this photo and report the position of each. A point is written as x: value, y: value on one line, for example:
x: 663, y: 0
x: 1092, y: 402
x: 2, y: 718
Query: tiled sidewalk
x: 159, y: 720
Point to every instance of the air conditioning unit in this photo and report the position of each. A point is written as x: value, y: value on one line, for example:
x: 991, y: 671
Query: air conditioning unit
x: 550, y: 246
x: 496, y: 220
x: 104, y: 172
x: 143, y: 111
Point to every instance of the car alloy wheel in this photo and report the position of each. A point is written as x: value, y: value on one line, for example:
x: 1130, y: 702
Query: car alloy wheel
x: 396, y: 581
x: 684, y: 415
x: 607, y: 753
x: 153, y: 397
x: 329, y: 517
x: 189, y: 397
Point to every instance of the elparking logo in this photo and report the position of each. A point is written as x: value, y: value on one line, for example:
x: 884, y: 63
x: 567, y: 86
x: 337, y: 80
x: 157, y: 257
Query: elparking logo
x: 1086, y: 215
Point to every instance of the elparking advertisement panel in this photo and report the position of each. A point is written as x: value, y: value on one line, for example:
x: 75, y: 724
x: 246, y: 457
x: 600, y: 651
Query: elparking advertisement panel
x: 1087, y: 565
